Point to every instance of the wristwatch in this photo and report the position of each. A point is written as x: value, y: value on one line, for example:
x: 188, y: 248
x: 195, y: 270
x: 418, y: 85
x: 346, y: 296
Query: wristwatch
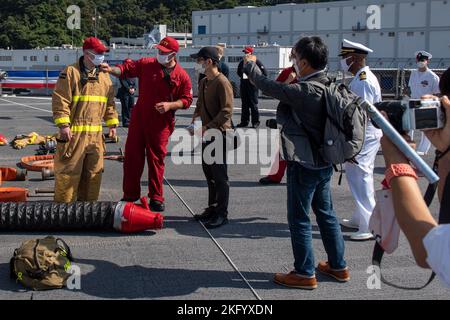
x: 399, y: 170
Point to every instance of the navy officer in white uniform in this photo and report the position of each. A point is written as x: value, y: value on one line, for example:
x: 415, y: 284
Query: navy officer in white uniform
x: 360, y: 176
x: 422, y: 82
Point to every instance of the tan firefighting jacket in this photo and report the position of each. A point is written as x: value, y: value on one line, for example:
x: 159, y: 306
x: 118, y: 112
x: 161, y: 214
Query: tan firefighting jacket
x: 84, y: 106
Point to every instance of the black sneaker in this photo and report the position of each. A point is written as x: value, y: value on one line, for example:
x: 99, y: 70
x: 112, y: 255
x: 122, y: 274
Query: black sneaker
x: 216, y: 221
x: 128, y: 200
x: 256, y: 125
x: 157, y: 206
x: 267, y: 181
x: 206, y: 215
x: 242, y: 125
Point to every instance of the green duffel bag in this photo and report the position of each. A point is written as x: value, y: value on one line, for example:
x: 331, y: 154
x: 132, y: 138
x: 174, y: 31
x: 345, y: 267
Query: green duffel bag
x: 42, y: 264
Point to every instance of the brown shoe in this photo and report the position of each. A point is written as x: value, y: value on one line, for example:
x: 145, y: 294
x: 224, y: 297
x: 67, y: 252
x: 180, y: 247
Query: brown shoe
x: 294, y: 280
x: 340, y: 275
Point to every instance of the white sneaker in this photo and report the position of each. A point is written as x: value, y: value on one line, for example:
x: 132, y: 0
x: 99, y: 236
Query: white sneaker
x: 421, y: 153
x: 361, y: 236
x: 350, y: 224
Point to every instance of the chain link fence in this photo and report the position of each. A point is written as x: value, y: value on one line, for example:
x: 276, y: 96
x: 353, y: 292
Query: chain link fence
x: 393, y: 82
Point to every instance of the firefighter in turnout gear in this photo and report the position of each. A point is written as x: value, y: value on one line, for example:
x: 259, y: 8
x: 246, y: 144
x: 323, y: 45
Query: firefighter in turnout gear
x: 82, y: 99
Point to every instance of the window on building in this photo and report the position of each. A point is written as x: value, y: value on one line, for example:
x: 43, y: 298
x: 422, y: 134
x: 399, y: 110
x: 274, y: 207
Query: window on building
x: 46, y: 58
x: 5, y: 58
x: 25, y: 58
x: 33, y: 58
x: 391, y: 34
x: 185, y: 59
x: 410, y: 34
x: 56, y: 58
x: 234, y: 59
x: 201, y: 29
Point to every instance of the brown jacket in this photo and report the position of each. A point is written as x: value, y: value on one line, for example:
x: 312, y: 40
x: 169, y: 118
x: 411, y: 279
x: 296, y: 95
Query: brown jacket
x: 217, y: 96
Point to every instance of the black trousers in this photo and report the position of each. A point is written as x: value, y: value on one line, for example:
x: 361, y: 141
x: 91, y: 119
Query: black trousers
x: 127, y: 101
x: 218, y: 183
x: 249, y: 97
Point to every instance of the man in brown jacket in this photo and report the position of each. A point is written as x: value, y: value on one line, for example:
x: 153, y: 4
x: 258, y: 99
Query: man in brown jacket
x: 215, y: 108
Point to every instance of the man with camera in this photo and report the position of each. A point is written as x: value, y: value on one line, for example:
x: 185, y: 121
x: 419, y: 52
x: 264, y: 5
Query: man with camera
x: 430, y: 242
x: 308, y: 174
x: 360, y: 174
x: 289, y: 76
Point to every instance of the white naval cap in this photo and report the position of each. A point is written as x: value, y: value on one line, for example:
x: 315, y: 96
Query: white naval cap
x: 423, y: 54
x: 353, y: 47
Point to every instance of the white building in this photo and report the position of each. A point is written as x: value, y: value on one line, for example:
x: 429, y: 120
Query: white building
x: 406, y: 26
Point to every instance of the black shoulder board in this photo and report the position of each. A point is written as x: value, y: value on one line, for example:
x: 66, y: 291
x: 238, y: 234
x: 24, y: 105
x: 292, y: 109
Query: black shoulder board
x: 363, y: 76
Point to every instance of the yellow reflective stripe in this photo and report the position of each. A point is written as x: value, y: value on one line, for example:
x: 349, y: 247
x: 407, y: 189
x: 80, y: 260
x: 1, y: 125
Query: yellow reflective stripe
x: 112, y: 122
x: 62, y: 120
x: 76, y: 99
x: 86, y: 128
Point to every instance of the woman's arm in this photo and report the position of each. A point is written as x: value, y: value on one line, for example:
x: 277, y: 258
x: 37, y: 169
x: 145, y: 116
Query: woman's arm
x: 412, y: 213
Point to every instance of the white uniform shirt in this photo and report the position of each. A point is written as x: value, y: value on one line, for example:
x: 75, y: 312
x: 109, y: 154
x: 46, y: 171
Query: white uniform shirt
x: 365, y: 85
x: 422, y: 83
x: 437, y: 245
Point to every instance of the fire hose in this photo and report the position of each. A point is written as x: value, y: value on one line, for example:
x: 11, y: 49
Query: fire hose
x: 37, y: 163
x: 12, y: 194
x: 125, y: 217
x: 12, y: 174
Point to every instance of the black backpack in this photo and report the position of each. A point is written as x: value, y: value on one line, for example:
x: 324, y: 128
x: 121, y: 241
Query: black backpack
x: 345, y: 126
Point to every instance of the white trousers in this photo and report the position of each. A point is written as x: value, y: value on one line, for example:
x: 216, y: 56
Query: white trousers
x: 360, y: 180
x: 424, y: 145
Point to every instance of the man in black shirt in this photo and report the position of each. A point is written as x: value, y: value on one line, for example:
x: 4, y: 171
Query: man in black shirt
x: 249, y: 94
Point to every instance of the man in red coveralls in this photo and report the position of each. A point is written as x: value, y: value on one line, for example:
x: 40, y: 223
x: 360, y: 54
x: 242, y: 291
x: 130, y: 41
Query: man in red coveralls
x: 164, y: 87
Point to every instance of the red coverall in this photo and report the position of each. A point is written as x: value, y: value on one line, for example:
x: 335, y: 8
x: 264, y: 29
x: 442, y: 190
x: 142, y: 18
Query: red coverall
x: 149, y: 131
x: 278, y: 176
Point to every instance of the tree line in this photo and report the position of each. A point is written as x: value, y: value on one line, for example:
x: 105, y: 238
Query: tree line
x: 26, y: 24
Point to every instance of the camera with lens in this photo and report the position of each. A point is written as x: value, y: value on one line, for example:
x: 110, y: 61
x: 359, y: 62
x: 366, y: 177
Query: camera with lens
x: 413, y: 114
x: 272, y: 124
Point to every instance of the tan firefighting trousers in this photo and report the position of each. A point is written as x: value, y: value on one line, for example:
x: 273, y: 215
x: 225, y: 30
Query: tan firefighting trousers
x: 79, y: 168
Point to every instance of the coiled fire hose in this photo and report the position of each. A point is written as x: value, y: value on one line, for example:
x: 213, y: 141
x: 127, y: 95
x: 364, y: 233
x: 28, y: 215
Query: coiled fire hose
x: 37, y: 163
x: 124, y: 217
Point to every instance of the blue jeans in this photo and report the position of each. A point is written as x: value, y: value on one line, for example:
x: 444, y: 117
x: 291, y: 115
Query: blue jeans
x: 311, y: 188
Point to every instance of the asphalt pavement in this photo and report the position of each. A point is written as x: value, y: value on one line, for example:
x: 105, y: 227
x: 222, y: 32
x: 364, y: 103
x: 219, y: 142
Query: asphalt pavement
x: 183, y: 261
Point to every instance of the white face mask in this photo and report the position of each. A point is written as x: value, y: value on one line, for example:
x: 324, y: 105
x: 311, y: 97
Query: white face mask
x: 201, y: 68
x: 421, y: 64
x: 97, y: 58
x: 344, y: 66
x: 163, y: 59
